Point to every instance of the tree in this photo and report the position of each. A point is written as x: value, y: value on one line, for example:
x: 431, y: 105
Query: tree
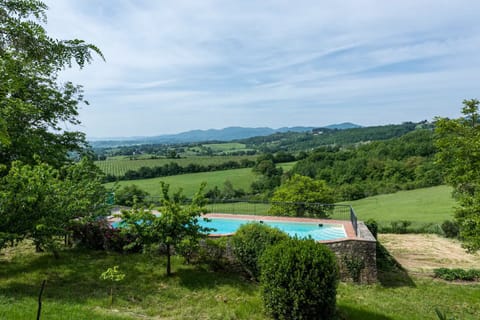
x: 458, y: 143
x: 175, y: 223
x: 270, y: 175
x: 40, y: 201
x: 128, y: 195
x: 33, y: 104
x: 41, y: 189
x: 300, y: 196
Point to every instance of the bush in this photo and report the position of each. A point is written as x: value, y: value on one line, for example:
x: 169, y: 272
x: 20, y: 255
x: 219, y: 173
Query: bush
x: 99, y: 235
x: 457, y: 274
x: 212, y: 253
x: 299, y: 280
x: 250, y: 241
x: 450, y: 229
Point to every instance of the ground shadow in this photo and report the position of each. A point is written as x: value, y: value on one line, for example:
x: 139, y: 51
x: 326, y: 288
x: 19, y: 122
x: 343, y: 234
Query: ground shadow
x: 351, y: 313
x: 390, y: 272
x: 200, y: 277
x: 75, y: 277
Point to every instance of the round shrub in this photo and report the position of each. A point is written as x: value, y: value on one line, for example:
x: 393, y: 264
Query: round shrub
x: 250, y: 241
x: 299, y: 280
x: 451, y: 229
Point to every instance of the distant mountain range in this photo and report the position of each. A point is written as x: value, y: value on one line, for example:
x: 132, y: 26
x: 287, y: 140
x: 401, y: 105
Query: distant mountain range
x: 226, y: 134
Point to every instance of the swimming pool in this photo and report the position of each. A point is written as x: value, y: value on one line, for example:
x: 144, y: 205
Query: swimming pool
x: 315, y: 230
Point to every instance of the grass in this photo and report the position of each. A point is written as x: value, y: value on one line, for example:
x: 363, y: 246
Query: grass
x: 240, y: 179
x: 428, y: 205
x: 226, y: 147
x: 74, y: 291
x: 117, y: 166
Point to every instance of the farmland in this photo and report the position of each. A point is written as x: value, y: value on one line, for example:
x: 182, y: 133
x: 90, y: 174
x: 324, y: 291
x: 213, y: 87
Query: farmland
x: 240, y: 179
x: 117, y: 166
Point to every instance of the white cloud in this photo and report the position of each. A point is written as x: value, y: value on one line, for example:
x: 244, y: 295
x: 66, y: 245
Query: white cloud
x: 179, y: 65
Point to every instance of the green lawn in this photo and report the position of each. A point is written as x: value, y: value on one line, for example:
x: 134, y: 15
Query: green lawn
x: 74, y: 291
x: 428, y: 205
x: 240, y: 178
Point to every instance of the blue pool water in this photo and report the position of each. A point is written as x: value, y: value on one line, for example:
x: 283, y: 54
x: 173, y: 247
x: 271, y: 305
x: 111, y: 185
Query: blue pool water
x: 299, y: 229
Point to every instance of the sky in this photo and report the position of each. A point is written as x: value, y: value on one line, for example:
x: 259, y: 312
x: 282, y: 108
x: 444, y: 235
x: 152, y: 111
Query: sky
x: 173, y: 66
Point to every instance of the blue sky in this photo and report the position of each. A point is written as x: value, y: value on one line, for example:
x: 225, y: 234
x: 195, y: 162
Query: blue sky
x: 173, y: 66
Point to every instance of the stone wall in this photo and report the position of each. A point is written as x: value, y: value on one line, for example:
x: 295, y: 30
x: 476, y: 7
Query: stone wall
x: 357, y: 255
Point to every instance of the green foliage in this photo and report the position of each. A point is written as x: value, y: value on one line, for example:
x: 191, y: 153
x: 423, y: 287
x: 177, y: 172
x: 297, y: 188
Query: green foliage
x: 75, y: 291
x: 112, y: 275
x: 354, y: 265
x: 34, y: 106
x: 212, y: 253
x: 174, y: 224
x: 458, y: 141
x: 450, y: 229
x: 269, y: 175
x: 442, y: 315
x: 129, y: 195
x: 400, y: 226
x: 457, y: 274
x: 250, y: 241
x: 299, y: 279
x: 358, y: 171
x: 300, y: 196
x: 40, y: 201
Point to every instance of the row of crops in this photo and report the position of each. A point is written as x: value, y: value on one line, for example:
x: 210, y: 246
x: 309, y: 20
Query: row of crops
x: 118, y: 167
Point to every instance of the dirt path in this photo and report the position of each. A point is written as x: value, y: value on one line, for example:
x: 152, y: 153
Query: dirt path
x: 421, y: 253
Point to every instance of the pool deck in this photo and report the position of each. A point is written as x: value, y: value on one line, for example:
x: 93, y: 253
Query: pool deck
x: 347, y: 225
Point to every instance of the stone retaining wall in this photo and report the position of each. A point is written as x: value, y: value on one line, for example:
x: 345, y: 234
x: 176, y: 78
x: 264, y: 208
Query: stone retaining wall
x: 358, y: 254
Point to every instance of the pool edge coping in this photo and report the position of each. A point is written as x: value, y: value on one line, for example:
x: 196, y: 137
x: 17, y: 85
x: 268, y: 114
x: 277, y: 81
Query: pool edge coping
x: 347, y: 225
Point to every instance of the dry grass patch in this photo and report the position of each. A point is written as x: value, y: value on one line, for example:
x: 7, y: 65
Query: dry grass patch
x: 421, y: 253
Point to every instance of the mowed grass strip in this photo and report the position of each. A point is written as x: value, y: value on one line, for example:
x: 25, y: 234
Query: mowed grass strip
x: 74, y: 291
x: 427, y: 205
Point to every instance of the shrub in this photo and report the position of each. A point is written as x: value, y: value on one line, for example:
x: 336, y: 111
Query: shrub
x: 250, y: 241
x: 212, y: 253
x: 354, y: 265
x: 299, y: 279
x: 450, y: 229
x: 99, y: 235
x: 457, y: 274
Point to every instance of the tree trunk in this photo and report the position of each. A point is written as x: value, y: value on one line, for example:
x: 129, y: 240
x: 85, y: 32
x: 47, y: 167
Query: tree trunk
x: 169, y: 271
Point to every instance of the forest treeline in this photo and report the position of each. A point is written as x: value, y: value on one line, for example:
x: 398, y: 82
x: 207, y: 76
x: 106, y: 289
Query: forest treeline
x: 377, y: 167
x: 302, y: 141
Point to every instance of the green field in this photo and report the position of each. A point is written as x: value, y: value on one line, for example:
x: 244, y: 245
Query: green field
x: 240, y: 179
x: 428, y: 205
x: 117, y: 166
x: 226, y: 147
x: 74, y: 291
